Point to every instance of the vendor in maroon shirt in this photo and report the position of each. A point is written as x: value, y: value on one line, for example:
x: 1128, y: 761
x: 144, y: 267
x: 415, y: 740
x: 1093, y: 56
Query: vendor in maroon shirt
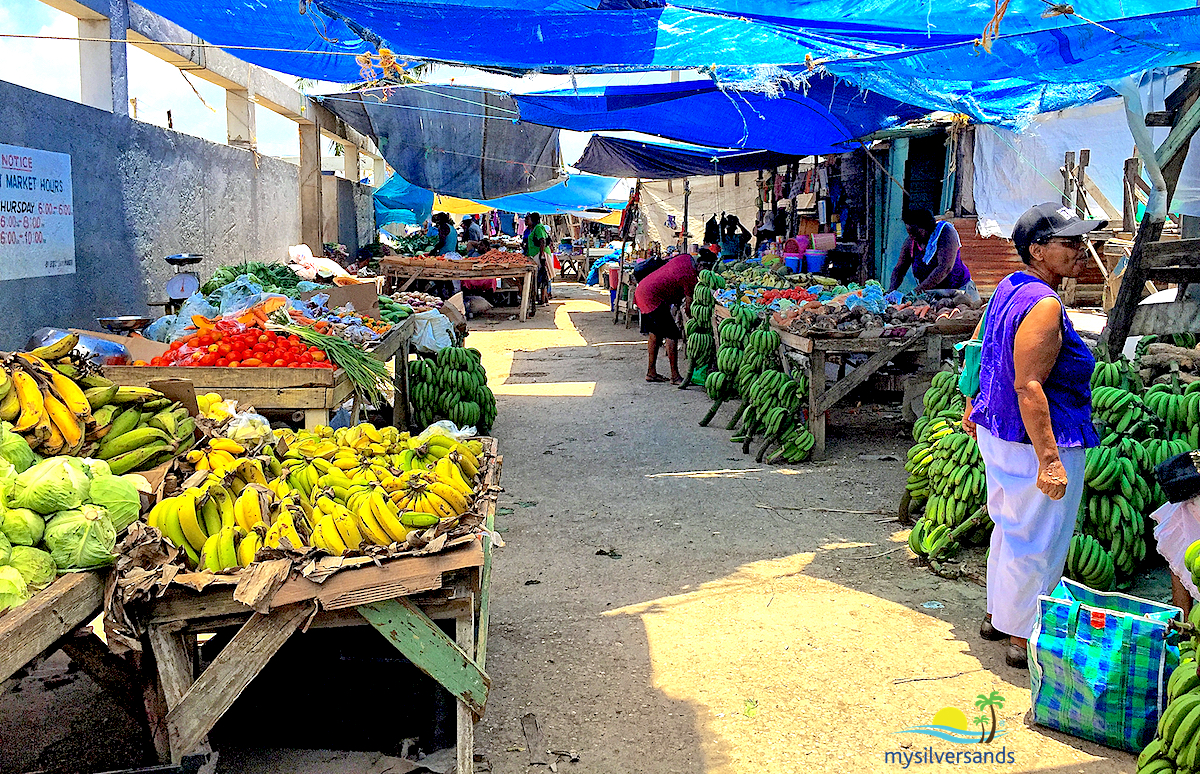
x: 668, y: 285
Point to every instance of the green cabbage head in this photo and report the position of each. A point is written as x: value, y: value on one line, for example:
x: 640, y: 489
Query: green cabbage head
x: 35, y: 565
x: 22, y: 526
x: 81, y: 539
x: 52, y: 485
x: 119, y: 497
x: 13, y: 589
x: 5, y: 549
x: 97, y: 468
x: 14, y: 449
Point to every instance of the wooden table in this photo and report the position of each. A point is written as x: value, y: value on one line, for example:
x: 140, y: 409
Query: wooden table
x: 71, y: 601
x: 626, y: 306
x: 315, y: 391
x: 401, y: 276
x: 401, y: 599
x: 930, y: 347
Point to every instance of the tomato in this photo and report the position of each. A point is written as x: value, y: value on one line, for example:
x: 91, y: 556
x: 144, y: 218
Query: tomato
x: 224, y: 348
x: 222, y: 361
x: 263, y: 338
x: 209, y: 359
x: 252, y: 362
x: 293, y: 364
x: 261, y: 346
x: 176, y: 344
x: 279, y: 363
x: 318, y: 356
x: 305, y: 358
x: 214, y: 348
x: 217, y: 335
x: 234, y: 364
x: 272, y: 336
x: 204, y: 340
x: 293, y: 339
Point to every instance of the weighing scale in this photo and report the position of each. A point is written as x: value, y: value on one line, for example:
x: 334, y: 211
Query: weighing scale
x: 126, y: 324
x: 183, y: 283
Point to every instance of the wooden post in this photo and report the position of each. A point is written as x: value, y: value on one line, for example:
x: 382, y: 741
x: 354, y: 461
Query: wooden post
x: 1068, y: 178
x: 1170, y: 156
x: 816, y: 389
x: 1133, y: 171
x: 1081, y: 205
x: 687, y: 193
x: 464, y: 629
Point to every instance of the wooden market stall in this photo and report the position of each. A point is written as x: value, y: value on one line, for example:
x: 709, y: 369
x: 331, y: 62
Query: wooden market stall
x: 316, y: 392
x: 401, y: 272
x: 402, y: 599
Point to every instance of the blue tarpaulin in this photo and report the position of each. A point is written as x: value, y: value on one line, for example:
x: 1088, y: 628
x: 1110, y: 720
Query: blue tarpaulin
x: 399, y: 201
x: 619, y: 157
x: 821, y: 119
x: 460, y: 142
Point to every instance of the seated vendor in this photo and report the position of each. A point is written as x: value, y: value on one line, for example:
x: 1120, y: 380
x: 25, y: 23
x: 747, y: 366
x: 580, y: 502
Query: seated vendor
x: 447, y: 235
x: 933, y: 251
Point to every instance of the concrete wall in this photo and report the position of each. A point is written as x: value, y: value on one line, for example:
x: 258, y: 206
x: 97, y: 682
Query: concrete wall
x: 142, y: 192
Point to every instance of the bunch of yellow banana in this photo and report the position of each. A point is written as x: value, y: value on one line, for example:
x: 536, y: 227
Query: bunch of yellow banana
x: 223, y: 455
x: 210, y: 406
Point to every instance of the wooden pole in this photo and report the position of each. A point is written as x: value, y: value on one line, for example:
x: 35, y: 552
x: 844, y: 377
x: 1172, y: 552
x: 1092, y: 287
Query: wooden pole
x: 687, y: 192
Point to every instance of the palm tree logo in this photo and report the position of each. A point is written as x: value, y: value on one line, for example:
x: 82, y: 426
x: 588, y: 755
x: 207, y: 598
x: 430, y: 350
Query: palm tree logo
x: 981, y: 721
x: 991, y: 701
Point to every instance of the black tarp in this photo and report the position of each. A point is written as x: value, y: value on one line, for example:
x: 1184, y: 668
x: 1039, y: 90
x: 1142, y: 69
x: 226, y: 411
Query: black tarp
x: 619, y: 157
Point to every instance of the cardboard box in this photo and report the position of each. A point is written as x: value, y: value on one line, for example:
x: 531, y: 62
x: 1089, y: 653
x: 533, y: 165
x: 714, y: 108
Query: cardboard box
x: 364, y: 296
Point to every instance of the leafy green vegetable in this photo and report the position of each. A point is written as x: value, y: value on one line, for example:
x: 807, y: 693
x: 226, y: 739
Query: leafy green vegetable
x: 52, y: 485
x: 14, y: 591
x: 5, y: 548
x: 35, y: 565
x: 81, y: 539
x: 119, y: 497
x: 22, y: 526
x: 14, y: 449
x: 274, y: 278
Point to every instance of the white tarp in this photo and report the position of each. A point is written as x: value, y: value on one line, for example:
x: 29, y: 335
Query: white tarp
x: 1016, y: 171
x: 708, y: 197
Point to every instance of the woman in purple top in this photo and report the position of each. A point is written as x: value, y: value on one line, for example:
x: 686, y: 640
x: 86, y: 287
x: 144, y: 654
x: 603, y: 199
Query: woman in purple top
x: 1033, y: 420
x: 934, y: 252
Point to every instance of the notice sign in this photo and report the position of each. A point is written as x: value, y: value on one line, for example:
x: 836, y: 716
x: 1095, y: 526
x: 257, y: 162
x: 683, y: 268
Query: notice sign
x: 37, y: 223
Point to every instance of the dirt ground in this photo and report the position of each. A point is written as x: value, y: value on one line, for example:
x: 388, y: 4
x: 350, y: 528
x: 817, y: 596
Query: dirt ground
x: 665, y: 605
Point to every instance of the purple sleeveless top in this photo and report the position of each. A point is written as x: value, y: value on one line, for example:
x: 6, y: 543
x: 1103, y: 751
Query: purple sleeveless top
x: 924, y: 262
x: 1068, y: 387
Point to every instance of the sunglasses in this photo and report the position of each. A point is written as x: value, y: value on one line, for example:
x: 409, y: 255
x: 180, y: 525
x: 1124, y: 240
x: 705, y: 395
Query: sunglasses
x: 1074, y: 242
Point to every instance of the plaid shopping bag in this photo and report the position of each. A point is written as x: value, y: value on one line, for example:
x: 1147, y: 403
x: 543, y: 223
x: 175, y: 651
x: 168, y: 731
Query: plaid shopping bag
x: 1099, y: 663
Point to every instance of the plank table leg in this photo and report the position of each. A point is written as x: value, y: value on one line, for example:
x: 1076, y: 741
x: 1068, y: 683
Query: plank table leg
x: 173, y: 666
x: 400, y: 389
x: 816, y: 388
x: 526, y: 295
x: 465, y: 638
x: 314, y: 418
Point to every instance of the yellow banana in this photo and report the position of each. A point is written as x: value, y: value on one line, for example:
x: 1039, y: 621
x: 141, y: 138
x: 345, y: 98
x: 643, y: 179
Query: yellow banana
x: 10, y: 406
x: 188, y: 521
x: 370, y: 525
x: 247, y: 509
x: 227, y: 445
x: 225, y: 506
x: 49, y: 441
x: 221, y: 461
x: 347, y: 527
x: 450, y: 495
x: 211, y: 514
x: 330, y: 535
x: 227, y: 548
x: 442, y: 508
x: 248, y: 548
x: 69, y: 393
x: 33, y: 405
x: 468, y: 462
x: 210, y: 558
x: 451, y: 474
x: 385, y: 514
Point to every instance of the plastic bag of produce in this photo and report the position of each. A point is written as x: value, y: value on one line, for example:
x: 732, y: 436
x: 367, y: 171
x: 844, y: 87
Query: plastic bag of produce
x: 52, y: 485
x: 434, y: 332
x: 250, y: 430
x: 119, y: 497
x: 14, y: 591
x: 81, y: 539
x: 35, y: 565
x: 22, y: 526
x: 14, y: 449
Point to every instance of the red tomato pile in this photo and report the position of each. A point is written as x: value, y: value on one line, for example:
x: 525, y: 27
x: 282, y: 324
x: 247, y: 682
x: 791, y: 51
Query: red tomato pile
x: 246, y: 348
x: 792, y: 294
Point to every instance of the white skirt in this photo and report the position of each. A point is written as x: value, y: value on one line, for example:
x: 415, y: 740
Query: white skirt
x: 1178, y: 527
x: 1032, y: 532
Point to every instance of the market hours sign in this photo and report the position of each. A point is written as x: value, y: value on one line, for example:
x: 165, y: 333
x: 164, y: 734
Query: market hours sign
x: 37, y: 224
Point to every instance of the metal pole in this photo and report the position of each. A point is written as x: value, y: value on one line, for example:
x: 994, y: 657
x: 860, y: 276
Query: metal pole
x: 687, y: 192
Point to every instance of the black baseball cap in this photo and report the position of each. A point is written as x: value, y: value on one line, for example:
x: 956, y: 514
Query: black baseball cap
x: 1051, y: 219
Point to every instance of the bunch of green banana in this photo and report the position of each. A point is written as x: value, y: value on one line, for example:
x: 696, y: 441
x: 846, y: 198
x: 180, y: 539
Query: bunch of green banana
x: 1179, y: 409
x: 1089, y: 563
x: 1176, y: 747
x: 795, y: 444
x: 1117, y: 494
x: 943, y: 394
x: 1121, y: 411
x: 452, y: 385
x: 142, y: 433
x: 932, y: 541
x: 1119, y: 373
x: 773, y: 402
x: 957, y: 484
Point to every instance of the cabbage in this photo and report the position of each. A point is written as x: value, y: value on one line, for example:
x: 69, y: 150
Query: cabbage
x: 81, y: 539
x: 97, y: 468
x: 5, y: 549
x: 14, y: 449
x: 119, y: 497
x: 35, y: 565
x: 55, y: 484
x: 13, y: 589
x: 22, y: 526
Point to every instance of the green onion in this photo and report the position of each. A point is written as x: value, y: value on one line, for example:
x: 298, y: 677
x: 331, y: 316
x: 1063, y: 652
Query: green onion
x: 368, y: 375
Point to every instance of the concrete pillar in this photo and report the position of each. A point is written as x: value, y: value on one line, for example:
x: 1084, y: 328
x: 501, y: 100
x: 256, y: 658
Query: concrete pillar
x: 310, y: 186
x: 379, y: 176
x: 239, y: 118
x: 103, y: 71
x: 351, y: 155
